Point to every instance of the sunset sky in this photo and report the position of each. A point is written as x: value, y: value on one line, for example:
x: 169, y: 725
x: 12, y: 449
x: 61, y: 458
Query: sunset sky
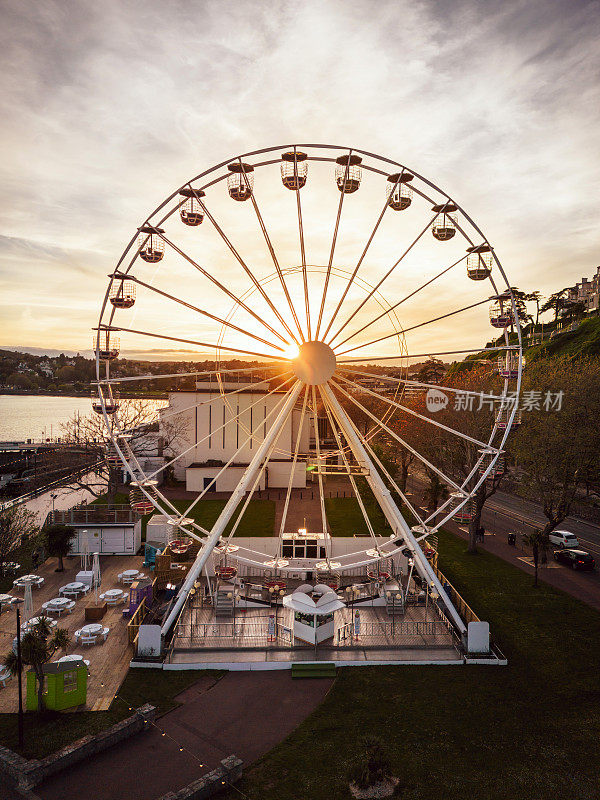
x: 108, y: 107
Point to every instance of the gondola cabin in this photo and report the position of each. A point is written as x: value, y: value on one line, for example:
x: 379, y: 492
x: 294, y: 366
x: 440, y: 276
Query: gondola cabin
x: 111, y: 402
x: 122, y: 293
x: 466, y: 512
x: 398, y: 191
x: 106, y: 346
x: 498, y: 467
x: 151, y: 245
x: 294, y: 169
x: 443, y: 226
x: 348, y: 173
x: 503, y: 418
x: 501, y: 312
x: 190, y: 210
x: 138, y: 499
x: 240, y: 181
x: 508, y: 365
x: 479, y: 262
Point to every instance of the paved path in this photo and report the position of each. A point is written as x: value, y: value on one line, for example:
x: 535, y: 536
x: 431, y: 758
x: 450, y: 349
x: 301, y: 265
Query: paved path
x: 246, y: 713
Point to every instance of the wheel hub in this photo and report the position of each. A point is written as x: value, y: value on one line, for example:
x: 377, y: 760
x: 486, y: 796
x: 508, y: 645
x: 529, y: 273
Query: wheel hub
x: 315, y: 363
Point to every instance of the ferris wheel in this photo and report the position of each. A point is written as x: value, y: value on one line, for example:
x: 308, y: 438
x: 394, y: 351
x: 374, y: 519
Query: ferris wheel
x: 327, y: 271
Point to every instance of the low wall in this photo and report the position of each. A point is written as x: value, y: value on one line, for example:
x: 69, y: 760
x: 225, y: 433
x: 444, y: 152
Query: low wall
x: 210, y: 784
x: 27, y: 773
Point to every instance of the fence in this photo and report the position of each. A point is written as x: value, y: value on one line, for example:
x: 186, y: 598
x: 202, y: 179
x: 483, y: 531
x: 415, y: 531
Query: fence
x: 95, y: 514
x: 392, y: 634
x: 133, y: 626
x: 465, y: 611
x: 240, y: 633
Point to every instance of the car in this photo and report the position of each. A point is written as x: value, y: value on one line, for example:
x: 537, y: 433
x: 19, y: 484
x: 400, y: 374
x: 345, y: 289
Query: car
x: 563, y: 539
x: 574, y: 558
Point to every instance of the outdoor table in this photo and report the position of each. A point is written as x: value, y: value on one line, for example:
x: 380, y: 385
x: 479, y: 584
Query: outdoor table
x: 74, y: 589
x: 6, y: 600
x: 73, y: 657
x: 129, y: 575
x: 92, y: 629
x: 113, y: 596
x: 24, y: 580
x: 26, y: 626
x: 58, y: 605
x: 89, y: 634
x: 11, y: 567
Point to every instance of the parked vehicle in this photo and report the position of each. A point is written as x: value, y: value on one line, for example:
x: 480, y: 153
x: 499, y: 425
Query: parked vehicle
x: 574, y: 558
x: 563, y: 539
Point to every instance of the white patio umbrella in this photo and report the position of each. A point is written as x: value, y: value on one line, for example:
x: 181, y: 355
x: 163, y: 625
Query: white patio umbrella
x: 28, y: 605
x: 85, y: 550
x: 96, y: 573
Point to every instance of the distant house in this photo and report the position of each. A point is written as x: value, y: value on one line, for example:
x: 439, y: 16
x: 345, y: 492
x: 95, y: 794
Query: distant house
x: 587, y: 291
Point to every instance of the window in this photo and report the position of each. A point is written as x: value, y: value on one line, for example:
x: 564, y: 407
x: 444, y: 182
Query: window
x: 70, y: 681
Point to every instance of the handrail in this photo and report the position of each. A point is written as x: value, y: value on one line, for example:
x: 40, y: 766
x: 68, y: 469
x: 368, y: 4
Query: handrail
x: 43, y: 489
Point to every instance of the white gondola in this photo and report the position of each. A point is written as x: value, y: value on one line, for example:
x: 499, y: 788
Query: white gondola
x: 501, y: 312
x: 508, y: 365
x: 138, y: 500
x: 151, y: 246
x: 499, y: 467
x: 443, y: 226
x: 348, y: 173
x: 240, y: 181
x: 122, y: 293
x: 111, y: 402
x: 294, y: 169
x: 479, y: 262
x: 398, y: 191
x: 106, y: 346
x: 464, y: 514
x: 503, y: 418
x: 190, y: 210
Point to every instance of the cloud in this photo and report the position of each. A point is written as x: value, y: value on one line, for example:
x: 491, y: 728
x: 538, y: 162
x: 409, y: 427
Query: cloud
x: 109, y: 107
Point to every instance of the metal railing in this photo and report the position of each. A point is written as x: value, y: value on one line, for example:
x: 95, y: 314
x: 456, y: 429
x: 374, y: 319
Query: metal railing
x: 54, y: 485
x: 240, y: 633
x: 466, y: 612
x: 391, y: 634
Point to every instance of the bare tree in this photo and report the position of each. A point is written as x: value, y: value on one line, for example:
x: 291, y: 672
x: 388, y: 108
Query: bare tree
x: 15, y: 524
x: 140, y: 420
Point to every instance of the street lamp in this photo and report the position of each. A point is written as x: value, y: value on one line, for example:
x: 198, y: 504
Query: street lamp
x: 53, y: 496
x: 17, y: 602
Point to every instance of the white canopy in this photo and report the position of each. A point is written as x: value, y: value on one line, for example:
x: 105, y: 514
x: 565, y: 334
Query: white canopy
x: 326, y: 604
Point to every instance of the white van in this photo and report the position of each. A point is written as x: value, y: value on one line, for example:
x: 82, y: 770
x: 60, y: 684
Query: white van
x: 563, y: 539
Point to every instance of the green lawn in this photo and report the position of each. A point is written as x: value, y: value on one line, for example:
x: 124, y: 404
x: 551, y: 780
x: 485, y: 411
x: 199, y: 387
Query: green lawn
x: 346, y: 519
x: 47, y: 733
x: 259, y: 519
x: 528, y: 731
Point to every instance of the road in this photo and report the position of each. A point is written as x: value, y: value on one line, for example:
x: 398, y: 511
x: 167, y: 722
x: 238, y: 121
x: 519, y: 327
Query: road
x: 504, y: 514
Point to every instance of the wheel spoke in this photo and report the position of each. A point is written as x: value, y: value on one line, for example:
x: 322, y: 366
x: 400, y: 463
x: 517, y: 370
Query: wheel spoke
x: 333, y: 243
x: 320, y: 476
x: 153, y: 377
x: 275, y: 408
x: 198, y: 310
x: 416, y: 414
x: 399, y: 439
x: 191, y: 341
x: 303, y: 256
x: 414, y: 327
x: 385, y: 277
x: 424, y: 385
x: 353, y: 483
x: 227, y: 291
x: 361, y: 259
x: 216, y: 430
x: 428, y: 355
x: 293, y: 470
x: 399, y: 303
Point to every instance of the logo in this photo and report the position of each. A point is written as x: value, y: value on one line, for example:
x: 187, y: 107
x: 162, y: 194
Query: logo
x: 436, y: 400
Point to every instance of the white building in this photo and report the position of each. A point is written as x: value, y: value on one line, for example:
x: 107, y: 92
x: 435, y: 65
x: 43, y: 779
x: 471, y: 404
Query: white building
x: 212, y: 429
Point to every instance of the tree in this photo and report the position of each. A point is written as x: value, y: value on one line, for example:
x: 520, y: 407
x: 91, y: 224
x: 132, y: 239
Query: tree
x: 58, y: 542
x: 558, y: 443
x: 139, y: 418
x: 436, y: 492
x: 15, y: 524
x: 539, y: 543
x: 556, y: 302
x: 38, y: 646
x: 573, y: 309
x: 432, y: 371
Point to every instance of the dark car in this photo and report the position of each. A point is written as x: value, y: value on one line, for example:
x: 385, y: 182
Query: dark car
x: 576, y: 559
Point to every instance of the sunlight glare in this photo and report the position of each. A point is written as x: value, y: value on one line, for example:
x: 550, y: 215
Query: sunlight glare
x: 292, y: 351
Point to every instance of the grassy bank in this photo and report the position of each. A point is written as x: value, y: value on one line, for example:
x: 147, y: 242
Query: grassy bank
x: 526, y: 731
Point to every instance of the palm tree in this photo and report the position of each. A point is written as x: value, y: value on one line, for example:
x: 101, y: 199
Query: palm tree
x: 59, y: 539
x: 38, y: 646
x: 539, y: 543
